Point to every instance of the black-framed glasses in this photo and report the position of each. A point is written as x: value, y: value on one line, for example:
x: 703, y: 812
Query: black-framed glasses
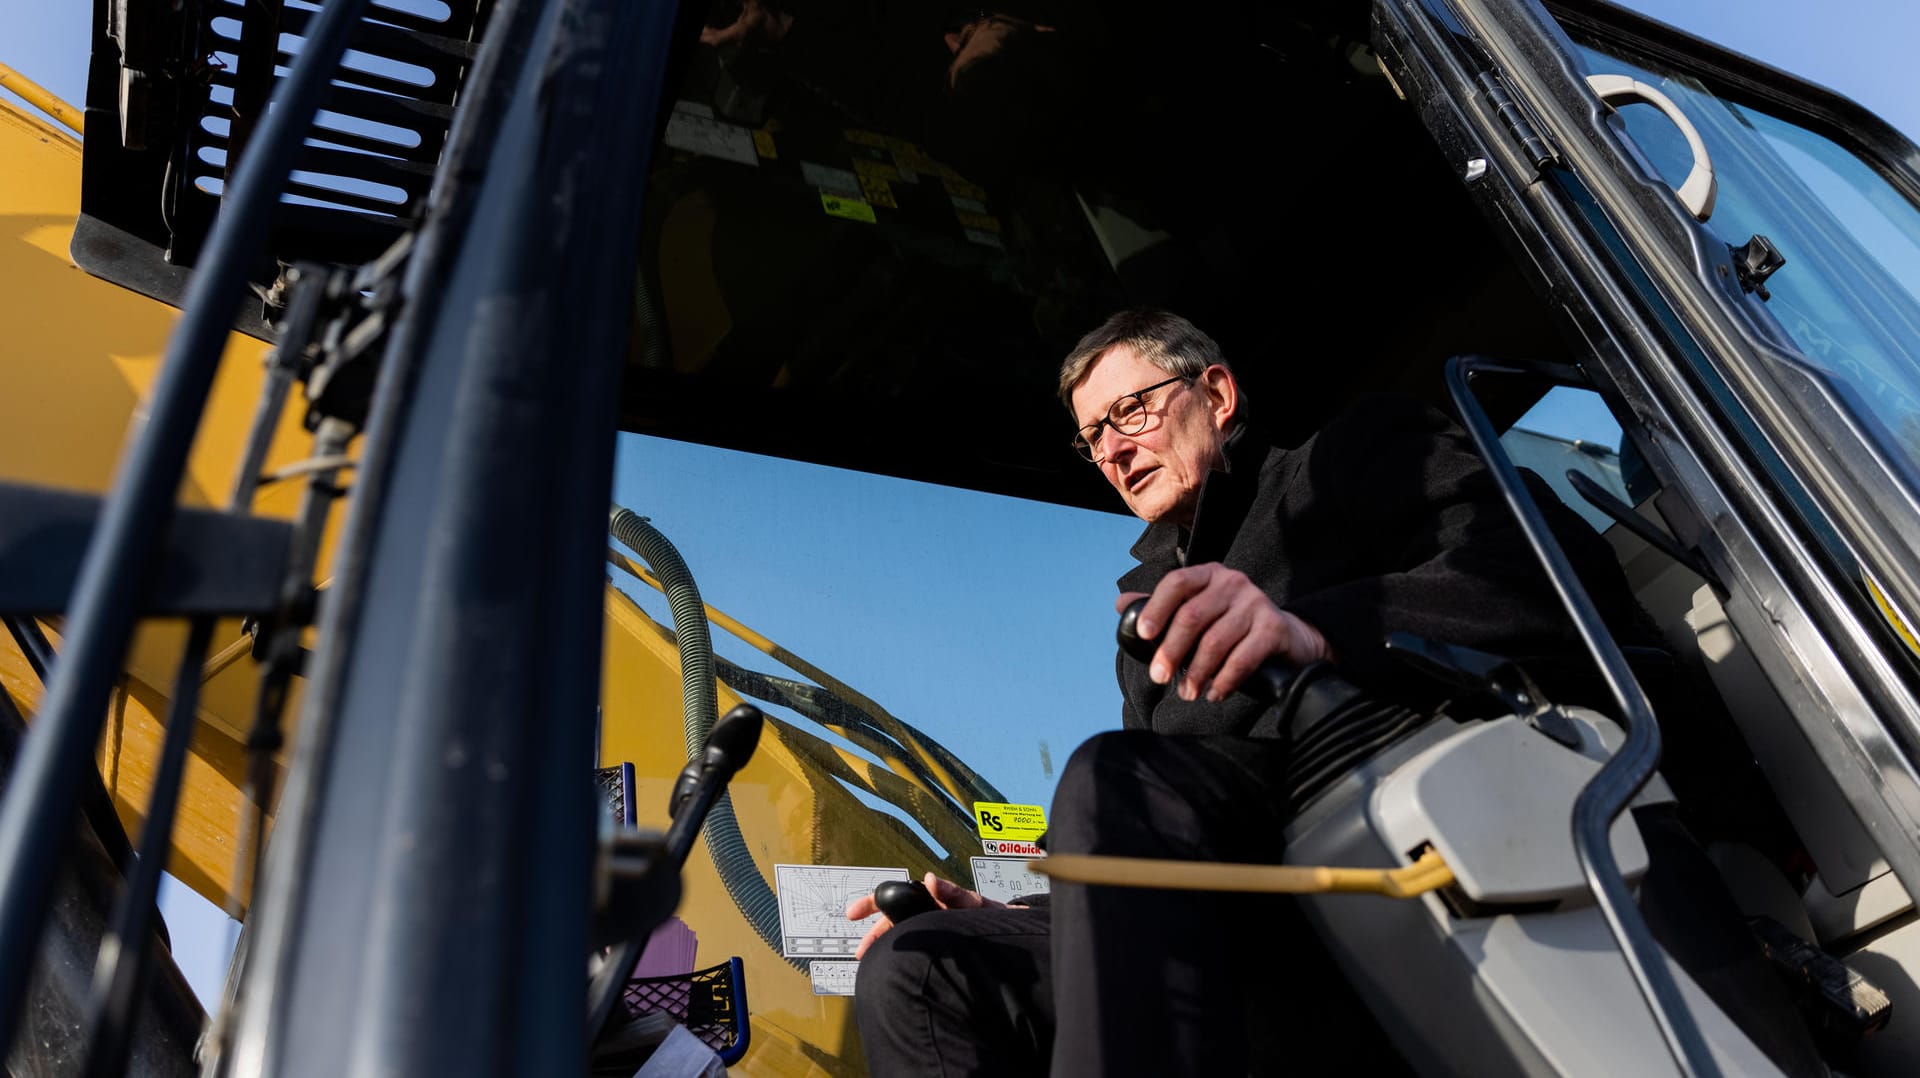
x: 1128, y: 415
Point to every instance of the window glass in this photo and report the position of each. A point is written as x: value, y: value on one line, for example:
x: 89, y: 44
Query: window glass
x: 983, y: 623
x: 1846, y: 294
x: 1572, y: 430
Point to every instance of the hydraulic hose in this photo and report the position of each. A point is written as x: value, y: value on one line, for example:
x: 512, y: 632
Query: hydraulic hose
x: 700, y: 706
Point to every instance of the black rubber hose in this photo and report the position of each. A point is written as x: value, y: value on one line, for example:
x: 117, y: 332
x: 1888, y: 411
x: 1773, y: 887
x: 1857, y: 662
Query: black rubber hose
x: 700, y: 705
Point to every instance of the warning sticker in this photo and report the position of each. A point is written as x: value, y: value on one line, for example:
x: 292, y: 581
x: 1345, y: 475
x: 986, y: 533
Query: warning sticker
x: 878, y: 192
x: 1000, y: 847
x: 852, y: 209
x: 832, y: 978
x: 998, y: 820
x: 1005, y: 879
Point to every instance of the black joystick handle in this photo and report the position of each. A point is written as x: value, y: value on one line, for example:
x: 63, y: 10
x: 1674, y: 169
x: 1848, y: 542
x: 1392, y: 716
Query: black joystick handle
x: 1268, y: 684
x: 901, y: 899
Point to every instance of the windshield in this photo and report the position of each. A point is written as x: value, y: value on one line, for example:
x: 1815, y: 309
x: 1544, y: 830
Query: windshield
x: 984, y: 622
x: 1846, y: 294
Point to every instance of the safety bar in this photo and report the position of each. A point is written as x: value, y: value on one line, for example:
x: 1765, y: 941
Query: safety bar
x: 1622, y: 776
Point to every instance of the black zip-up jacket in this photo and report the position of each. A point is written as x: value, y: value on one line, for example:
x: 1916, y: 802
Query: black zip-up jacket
x: 1384, y: 521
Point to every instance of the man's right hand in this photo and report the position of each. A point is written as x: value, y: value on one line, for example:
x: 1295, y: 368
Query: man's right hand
x: 946, y: 894
x: 758, y: 24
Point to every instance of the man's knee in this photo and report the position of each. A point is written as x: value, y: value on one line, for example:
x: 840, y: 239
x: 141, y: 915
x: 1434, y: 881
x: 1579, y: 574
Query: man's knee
x: 890, y: 971
x: 1136, y: 793
x: 1102, y: 791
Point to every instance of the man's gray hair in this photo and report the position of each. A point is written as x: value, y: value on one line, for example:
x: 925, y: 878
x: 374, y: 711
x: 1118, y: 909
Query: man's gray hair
x: 1162, y: 338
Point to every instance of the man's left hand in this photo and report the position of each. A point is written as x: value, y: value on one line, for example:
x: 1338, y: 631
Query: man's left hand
x: 1220, y: 627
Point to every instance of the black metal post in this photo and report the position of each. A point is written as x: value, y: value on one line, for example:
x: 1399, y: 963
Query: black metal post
x: 33, y: 644
x: 37, y: 809
x: 120, y: 974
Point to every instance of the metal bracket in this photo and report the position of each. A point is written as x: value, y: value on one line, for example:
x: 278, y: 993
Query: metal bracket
x: 360, y: 306
x: 1755, y: 261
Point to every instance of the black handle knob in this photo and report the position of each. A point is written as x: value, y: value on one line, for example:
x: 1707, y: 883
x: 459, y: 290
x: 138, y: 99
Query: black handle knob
x: 901, y: 899
x: 1129, y: 633
x: 1266, y: 684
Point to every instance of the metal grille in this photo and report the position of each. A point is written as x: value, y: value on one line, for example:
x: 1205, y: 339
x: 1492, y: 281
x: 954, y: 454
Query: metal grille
x: 367, y: 166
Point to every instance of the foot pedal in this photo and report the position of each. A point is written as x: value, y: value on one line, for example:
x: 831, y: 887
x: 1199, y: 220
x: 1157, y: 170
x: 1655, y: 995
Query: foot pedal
x: 1839, y: 1002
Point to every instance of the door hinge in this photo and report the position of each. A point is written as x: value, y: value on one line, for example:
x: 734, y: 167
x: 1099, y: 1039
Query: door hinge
x: 1520, y: 126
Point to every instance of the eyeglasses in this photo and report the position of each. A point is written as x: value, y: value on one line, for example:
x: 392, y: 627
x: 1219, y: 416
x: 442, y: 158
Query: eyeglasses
x: 1128, y: 415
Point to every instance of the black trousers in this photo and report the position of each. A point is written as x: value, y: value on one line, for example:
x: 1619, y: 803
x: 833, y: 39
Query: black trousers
x: 1110, y: 980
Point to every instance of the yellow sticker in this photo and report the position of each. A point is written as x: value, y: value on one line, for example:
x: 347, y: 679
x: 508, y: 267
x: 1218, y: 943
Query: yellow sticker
x: 983, y: 221
x: 878, y: 192
x: 852, y: 209
x: 866, y: 138
x: 1012, y: 823
x: 962, y: 189
x: 875, y: 170
x: 763, y: 142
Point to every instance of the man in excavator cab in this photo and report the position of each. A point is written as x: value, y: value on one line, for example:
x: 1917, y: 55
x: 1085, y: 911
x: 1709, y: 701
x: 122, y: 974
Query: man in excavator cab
x: 1385, y: 521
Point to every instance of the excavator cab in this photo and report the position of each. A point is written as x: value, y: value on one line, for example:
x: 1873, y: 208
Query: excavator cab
x: 550, y: 377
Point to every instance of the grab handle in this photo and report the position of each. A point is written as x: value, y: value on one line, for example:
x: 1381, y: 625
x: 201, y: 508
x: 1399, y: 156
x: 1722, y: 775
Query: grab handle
x: 1698, y: 191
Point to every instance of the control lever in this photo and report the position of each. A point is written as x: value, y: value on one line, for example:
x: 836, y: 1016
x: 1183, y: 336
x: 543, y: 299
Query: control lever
x: 1488, y: 675
x: 730, y: 745
x: 1268, y: 684
x: 901, y: 899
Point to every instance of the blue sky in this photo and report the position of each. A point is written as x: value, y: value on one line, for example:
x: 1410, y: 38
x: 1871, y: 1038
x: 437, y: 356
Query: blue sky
x: 985, y: 620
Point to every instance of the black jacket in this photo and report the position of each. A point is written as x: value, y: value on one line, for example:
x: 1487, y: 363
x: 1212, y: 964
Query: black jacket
x: 1384, y: 521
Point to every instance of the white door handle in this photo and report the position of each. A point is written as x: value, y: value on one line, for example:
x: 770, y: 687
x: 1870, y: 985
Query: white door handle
x: 1697, y: 193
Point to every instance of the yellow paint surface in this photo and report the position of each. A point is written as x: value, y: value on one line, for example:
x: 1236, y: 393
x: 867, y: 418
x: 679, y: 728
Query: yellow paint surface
x: 82, y: 355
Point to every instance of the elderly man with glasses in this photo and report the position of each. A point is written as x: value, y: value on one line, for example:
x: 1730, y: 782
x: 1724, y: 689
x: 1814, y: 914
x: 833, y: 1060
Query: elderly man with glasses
x: 1386, y: 520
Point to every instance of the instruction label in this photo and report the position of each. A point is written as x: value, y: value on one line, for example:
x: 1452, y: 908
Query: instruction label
x: 1017, y: 822
x: 832, y: 978
x: 693, y: 128
x: 1004, y: 879
x: 813, y: 907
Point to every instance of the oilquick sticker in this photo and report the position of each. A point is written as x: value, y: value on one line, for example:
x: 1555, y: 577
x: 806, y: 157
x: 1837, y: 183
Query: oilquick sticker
x: 837, y: 180
x: 813, y: 907
x: 1001, y: 847
x: 1004, y: 879
x: 763, y: 144
x: 832, y: 978
x: 853, y: 209
x: 984, y: 239
x: 692, y: 128
x: 1016, y: 822
x: 968, y: 205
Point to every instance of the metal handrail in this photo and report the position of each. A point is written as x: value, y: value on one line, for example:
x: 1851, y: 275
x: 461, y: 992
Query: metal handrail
x: 1621, y: 777
x: 43, y: 99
